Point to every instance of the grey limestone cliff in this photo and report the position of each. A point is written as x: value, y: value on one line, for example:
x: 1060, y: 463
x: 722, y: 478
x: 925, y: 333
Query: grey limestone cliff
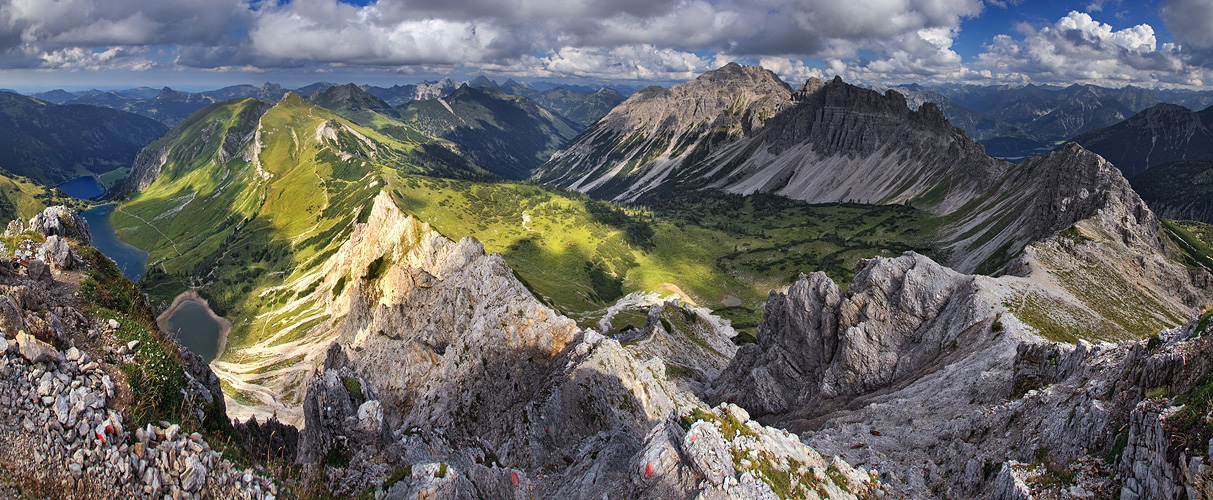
x: 741, y: 129
x: 446, y: 369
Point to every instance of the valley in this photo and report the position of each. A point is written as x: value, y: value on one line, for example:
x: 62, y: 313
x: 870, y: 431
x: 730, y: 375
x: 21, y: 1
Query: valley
x: 465, y: 290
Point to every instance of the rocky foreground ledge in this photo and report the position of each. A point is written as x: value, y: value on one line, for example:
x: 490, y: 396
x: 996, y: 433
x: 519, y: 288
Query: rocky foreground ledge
x: 62, y: 438
x: 73, y: 337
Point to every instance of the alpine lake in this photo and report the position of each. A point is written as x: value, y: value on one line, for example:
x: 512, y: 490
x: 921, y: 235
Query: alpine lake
x: 188, y: 320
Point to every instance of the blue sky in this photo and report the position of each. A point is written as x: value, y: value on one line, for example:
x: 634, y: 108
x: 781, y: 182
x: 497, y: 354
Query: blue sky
x: 194, y: 44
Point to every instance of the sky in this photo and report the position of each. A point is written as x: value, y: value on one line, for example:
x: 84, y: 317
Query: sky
x: 198, y: 44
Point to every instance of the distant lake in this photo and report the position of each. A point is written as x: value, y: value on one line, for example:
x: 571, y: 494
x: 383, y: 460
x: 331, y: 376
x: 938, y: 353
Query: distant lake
x: 130, y: 259
x: 85, y: 188
x: 191, y: 324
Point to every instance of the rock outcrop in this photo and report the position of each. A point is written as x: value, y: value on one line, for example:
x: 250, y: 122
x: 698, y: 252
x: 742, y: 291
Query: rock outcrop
x: 818, y: 342
x: 65, y: 385
x: 63, y: 222
x: 448, y: 376
x: 916, y: 364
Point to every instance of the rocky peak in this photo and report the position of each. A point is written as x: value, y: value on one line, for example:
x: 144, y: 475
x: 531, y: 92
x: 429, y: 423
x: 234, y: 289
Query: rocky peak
x: 745, y: 91
x: 291, y: 98
x: 841, y: 95
x: 1077, y: 184
x: 170, y: 94
x: 818, y: 342
x: 349, y: 97
x: 813, y: 84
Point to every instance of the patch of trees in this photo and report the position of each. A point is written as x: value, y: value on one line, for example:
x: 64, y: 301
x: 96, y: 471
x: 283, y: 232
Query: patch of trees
x: 637, y: 229
x: 606, y: 287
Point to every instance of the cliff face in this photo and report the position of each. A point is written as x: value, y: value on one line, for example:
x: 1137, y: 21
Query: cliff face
x: 489, y: 339
x: 818, y: 342
x: 439, y: 359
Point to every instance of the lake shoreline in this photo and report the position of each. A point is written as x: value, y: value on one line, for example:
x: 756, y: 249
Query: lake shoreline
x: 131, y: 260
x: 225, y: 326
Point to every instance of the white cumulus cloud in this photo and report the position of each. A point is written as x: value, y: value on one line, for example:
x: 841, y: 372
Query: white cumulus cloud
x: 1077, y: 48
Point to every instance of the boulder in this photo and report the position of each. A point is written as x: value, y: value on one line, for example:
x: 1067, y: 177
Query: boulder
x: 708, y: 453
x: 57, y: 253
x: 370, y: 418
x: 11, y: 321
x: 194, y: 477
x: 14, y: 228
x: 23, y: 298
x: 62, y: 221
x: 36, y: 351
x: 38, y: 271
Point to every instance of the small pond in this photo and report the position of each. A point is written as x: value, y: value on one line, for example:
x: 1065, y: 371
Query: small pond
x: 192, y: 325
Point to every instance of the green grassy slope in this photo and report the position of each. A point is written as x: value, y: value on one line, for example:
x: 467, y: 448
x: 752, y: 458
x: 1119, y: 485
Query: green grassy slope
x: 228, y: 226
x: 1193, y: 241
x: 22, y: 198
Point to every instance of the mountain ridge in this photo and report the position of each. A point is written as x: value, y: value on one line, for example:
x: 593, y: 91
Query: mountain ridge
x: 53, y: 143
x: 1160, y: 134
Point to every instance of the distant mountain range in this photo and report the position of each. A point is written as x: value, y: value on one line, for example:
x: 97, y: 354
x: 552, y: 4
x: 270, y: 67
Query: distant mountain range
x: 170, y: 107
x: 1166, y: 151
x: 1019, y: 121
x: 53, y: 143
